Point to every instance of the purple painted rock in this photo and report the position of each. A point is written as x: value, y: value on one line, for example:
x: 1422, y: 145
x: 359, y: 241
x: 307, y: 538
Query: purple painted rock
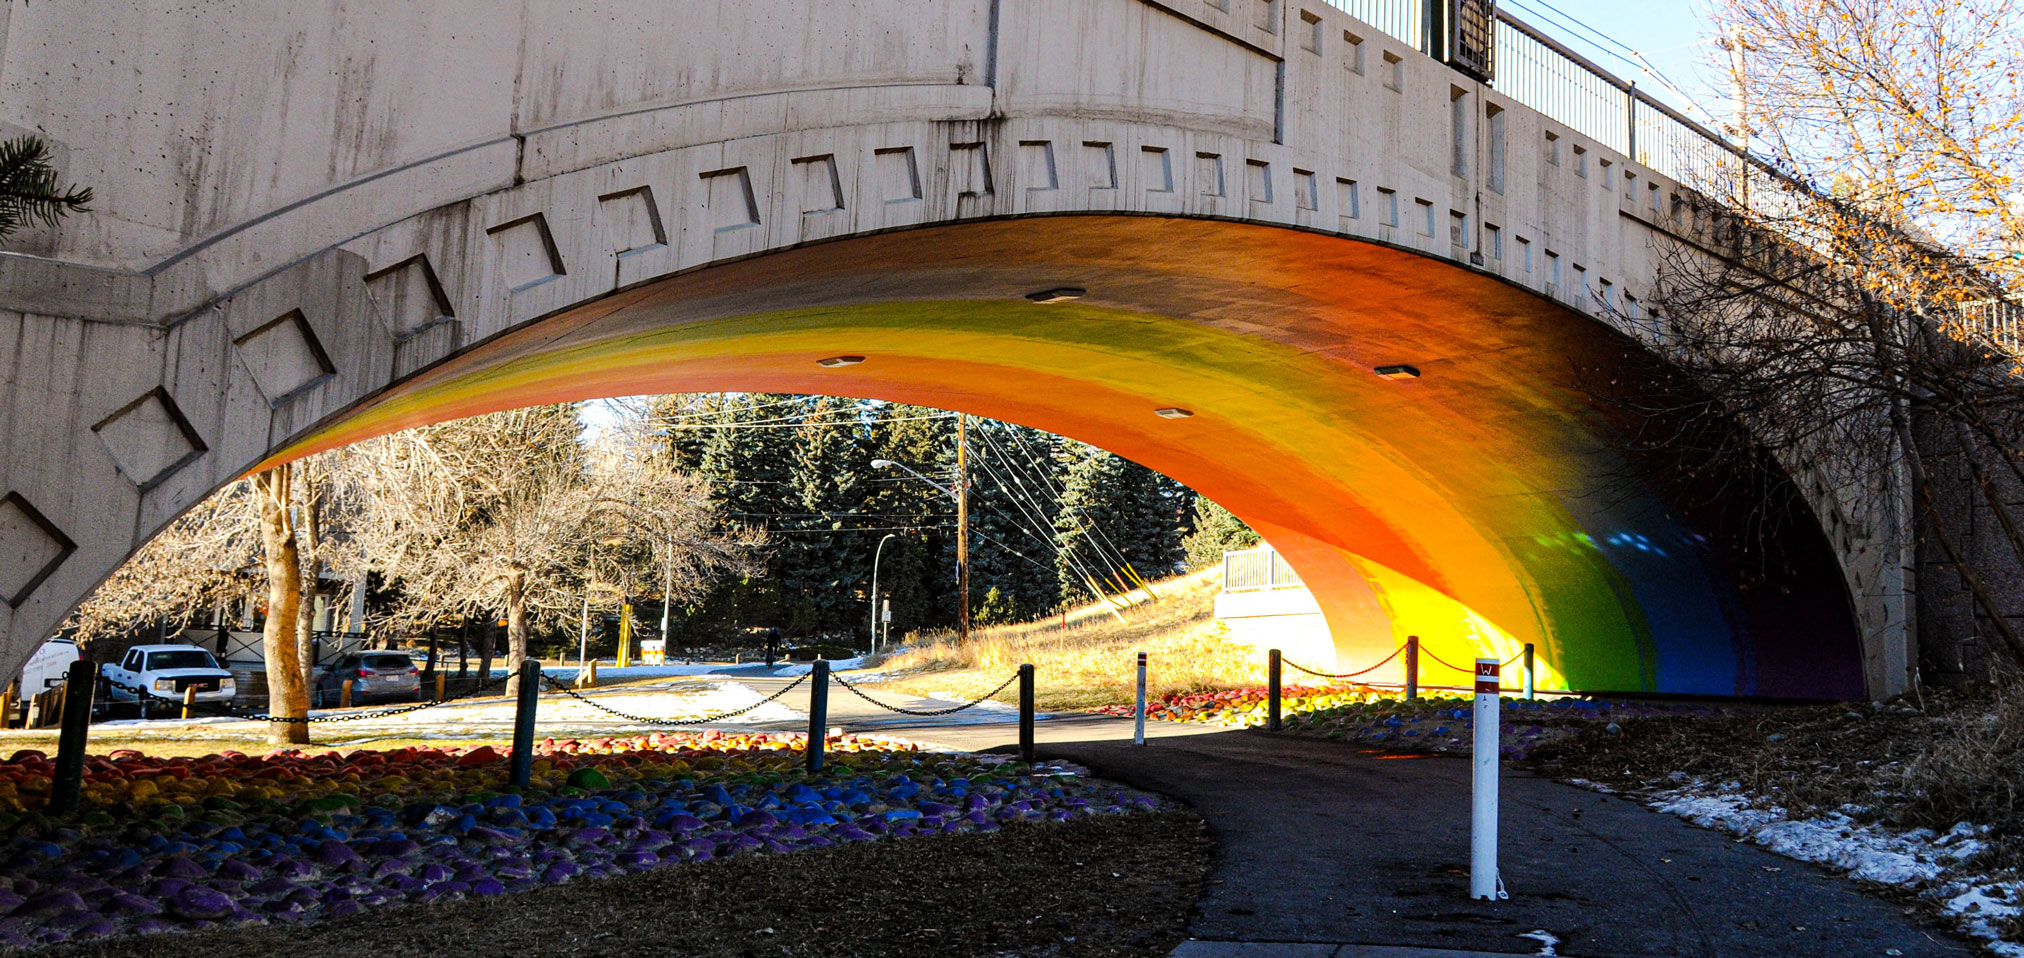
x: 651, y: 838
x: 488, y: 836
x: 9, y: 901
x: 513, y: 871
x: 149, y: 926
x: 294, y: 869
x: 50, y: 903
x: 450, y: 890
x: 433, y: 872
x: 977, y: 801
x: 851, y: 833
x: 166, y: 888
x: 232, y: 869
x: 281, y: 907
x: 180, y: 867
x: 937, y: 809
x: 403, y: 884
x: 487, y: 887
x: 757, y: 818
x: 685, y: 823
x: 589, y: 836
x: 395, y: 848
x: 74, y: 921
x: 470, y: 872
x: 978, y: 817
x: 638, y: 860
x: 390, y: 866
x: 778, y: 847
x: 343, y: 908
x: 124, y: 905
x: 335, y: 854
x: 558, y: 872
x: 200, y: 902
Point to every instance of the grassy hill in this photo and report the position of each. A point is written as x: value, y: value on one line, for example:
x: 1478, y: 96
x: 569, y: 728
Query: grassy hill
x: 1088, y: 657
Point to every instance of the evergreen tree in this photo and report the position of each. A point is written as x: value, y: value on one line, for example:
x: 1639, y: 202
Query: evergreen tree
x: 1217, y: 530
x: 29, y: 192
x: 1013, y: 506
x: 1114, y: 513
x: 918, y: 572
x: 823, y: 566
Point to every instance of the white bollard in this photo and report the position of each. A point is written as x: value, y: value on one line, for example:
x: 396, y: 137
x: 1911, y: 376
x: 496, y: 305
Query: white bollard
x: 1138, y: 734
x: 1484, y: 882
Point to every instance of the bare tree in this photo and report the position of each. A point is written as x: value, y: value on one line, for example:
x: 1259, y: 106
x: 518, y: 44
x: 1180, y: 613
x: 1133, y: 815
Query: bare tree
x: 1832, y: 301
x: 504, y: 512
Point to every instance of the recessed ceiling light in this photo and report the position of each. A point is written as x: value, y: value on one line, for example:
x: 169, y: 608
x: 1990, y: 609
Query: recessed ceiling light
x: 1173, y: 412
x: 1060, y: 295
x: 1400, y: 371
x: 835, y: 361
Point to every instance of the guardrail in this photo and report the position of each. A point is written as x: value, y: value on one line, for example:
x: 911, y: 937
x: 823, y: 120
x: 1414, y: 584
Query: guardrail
x: 1542, y: 73
x: 1252, y: 569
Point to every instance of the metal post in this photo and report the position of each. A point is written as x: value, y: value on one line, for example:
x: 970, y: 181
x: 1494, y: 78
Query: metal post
x: 439, y: 685
x: 818, y: 713
x: 523, y: 722
x: 344, y: 694
x: 1138, y: 735
x: 1483, y: 878
x: 1026, y: 714
x: 1531, y: 686
x: 68, y: 784
x: 189, y: 700
x: 1272, y: 686
x: 876, y: 555
x: 1412, y: 667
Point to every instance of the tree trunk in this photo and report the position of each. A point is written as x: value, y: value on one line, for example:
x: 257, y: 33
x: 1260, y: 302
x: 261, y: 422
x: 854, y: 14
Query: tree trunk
x: 285, y: 690
x: 309, y: 541
x: 490, y: 641
x: 516, y: 629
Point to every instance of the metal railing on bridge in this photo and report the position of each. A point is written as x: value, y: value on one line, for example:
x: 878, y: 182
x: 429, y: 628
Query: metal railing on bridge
x: 1261, y: 568
x: 1542, y: 73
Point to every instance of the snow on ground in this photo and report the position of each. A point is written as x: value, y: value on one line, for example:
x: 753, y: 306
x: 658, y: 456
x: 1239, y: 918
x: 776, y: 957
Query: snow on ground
x: 835, y: 665
x: 1934, y: 864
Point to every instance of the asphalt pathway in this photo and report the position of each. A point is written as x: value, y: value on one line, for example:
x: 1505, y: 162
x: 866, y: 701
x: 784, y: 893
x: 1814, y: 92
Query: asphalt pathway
x: 1323, y: 843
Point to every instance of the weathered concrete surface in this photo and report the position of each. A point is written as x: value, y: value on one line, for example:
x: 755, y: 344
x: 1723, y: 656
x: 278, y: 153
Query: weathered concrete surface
x: 302, y: 206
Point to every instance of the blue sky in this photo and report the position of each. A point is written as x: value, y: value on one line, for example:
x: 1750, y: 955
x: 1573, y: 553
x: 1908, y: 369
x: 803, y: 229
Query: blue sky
x: 1671, y: 34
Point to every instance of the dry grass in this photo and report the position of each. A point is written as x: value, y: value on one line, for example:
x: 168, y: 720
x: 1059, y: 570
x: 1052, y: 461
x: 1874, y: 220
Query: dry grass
x: 1931, y: 761
x: 1092, y: 661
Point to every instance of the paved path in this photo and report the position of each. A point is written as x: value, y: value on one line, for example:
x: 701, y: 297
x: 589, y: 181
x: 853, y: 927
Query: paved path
x: 1322, y: 843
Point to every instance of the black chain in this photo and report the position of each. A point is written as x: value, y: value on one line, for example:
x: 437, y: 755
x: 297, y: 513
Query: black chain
x: 228, y: 710
x: 840, y: 680
x: 572, y: 693
x: 1346, y: 675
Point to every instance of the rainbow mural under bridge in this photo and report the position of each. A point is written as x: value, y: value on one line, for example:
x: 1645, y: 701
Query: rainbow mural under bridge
x: 1489, y: 503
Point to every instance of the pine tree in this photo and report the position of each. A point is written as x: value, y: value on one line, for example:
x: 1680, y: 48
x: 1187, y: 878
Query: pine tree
x: 918, y: 572
x: 1217, y: 530
x: 823, y: 566
x: 28, y: 188
x: 1013, y: 507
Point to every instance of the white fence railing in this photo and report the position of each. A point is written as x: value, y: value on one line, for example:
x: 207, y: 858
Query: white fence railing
x: 1261, y: 568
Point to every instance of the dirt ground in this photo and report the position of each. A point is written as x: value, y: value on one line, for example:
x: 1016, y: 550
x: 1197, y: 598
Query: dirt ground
x: 1117, y: 886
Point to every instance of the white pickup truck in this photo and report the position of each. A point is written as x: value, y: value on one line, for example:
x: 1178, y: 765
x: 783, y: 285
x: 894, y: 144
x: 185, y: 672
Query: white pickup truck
x: 165, y: 671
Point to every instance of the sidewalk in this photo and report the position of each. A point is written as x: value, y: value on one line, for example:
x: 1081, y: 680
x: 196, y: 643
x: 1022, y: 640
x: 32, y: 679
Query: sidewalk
x: 1346, y: 850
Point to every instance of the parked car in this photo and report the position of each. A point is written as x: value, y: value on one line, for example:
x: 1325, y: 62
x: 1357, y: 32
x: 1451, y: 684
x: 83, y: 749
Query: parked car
x: 374, y: 676
x: 165, y: 672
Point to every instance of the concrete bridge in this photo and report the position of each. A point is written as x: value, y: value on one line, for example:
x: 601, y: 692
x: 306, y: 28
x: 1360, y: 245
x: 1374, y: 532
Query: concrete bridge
x: 1279, y: 253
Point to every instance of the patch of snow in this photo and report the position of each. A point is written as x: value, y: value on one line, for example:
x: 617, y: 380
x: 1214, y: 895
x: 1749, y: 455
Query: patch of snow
x: 1547, y: 940
x: 835, y: 665
x: 1919, y: 859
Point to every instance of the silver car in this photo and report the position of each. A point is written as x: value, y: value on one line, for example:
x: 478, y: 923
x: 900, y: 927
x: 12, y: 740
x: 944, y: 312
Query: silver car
x: 374, y: 677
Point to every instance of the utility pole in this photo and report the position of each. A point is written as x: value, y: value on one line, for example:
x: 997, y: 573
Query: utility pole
x: 962, y: 530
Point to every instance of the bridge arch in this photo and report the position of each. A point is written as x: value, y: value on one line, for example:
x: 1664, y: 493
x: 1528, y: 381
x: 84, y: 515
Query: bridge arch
x: 1255, y: 226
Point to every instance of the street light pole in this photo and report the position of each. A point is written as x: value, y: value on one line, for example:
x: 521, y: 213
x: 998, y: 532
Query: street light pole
x: 874, y: 587
x: 960, y: 494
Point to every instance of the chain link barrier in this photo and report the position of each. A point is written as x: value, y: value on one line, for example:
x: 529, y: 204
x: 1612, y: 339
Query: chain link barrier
x: 644, y: 720
x: 926, y: 713
x: 1345, y: 675
x: 228, y: 710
